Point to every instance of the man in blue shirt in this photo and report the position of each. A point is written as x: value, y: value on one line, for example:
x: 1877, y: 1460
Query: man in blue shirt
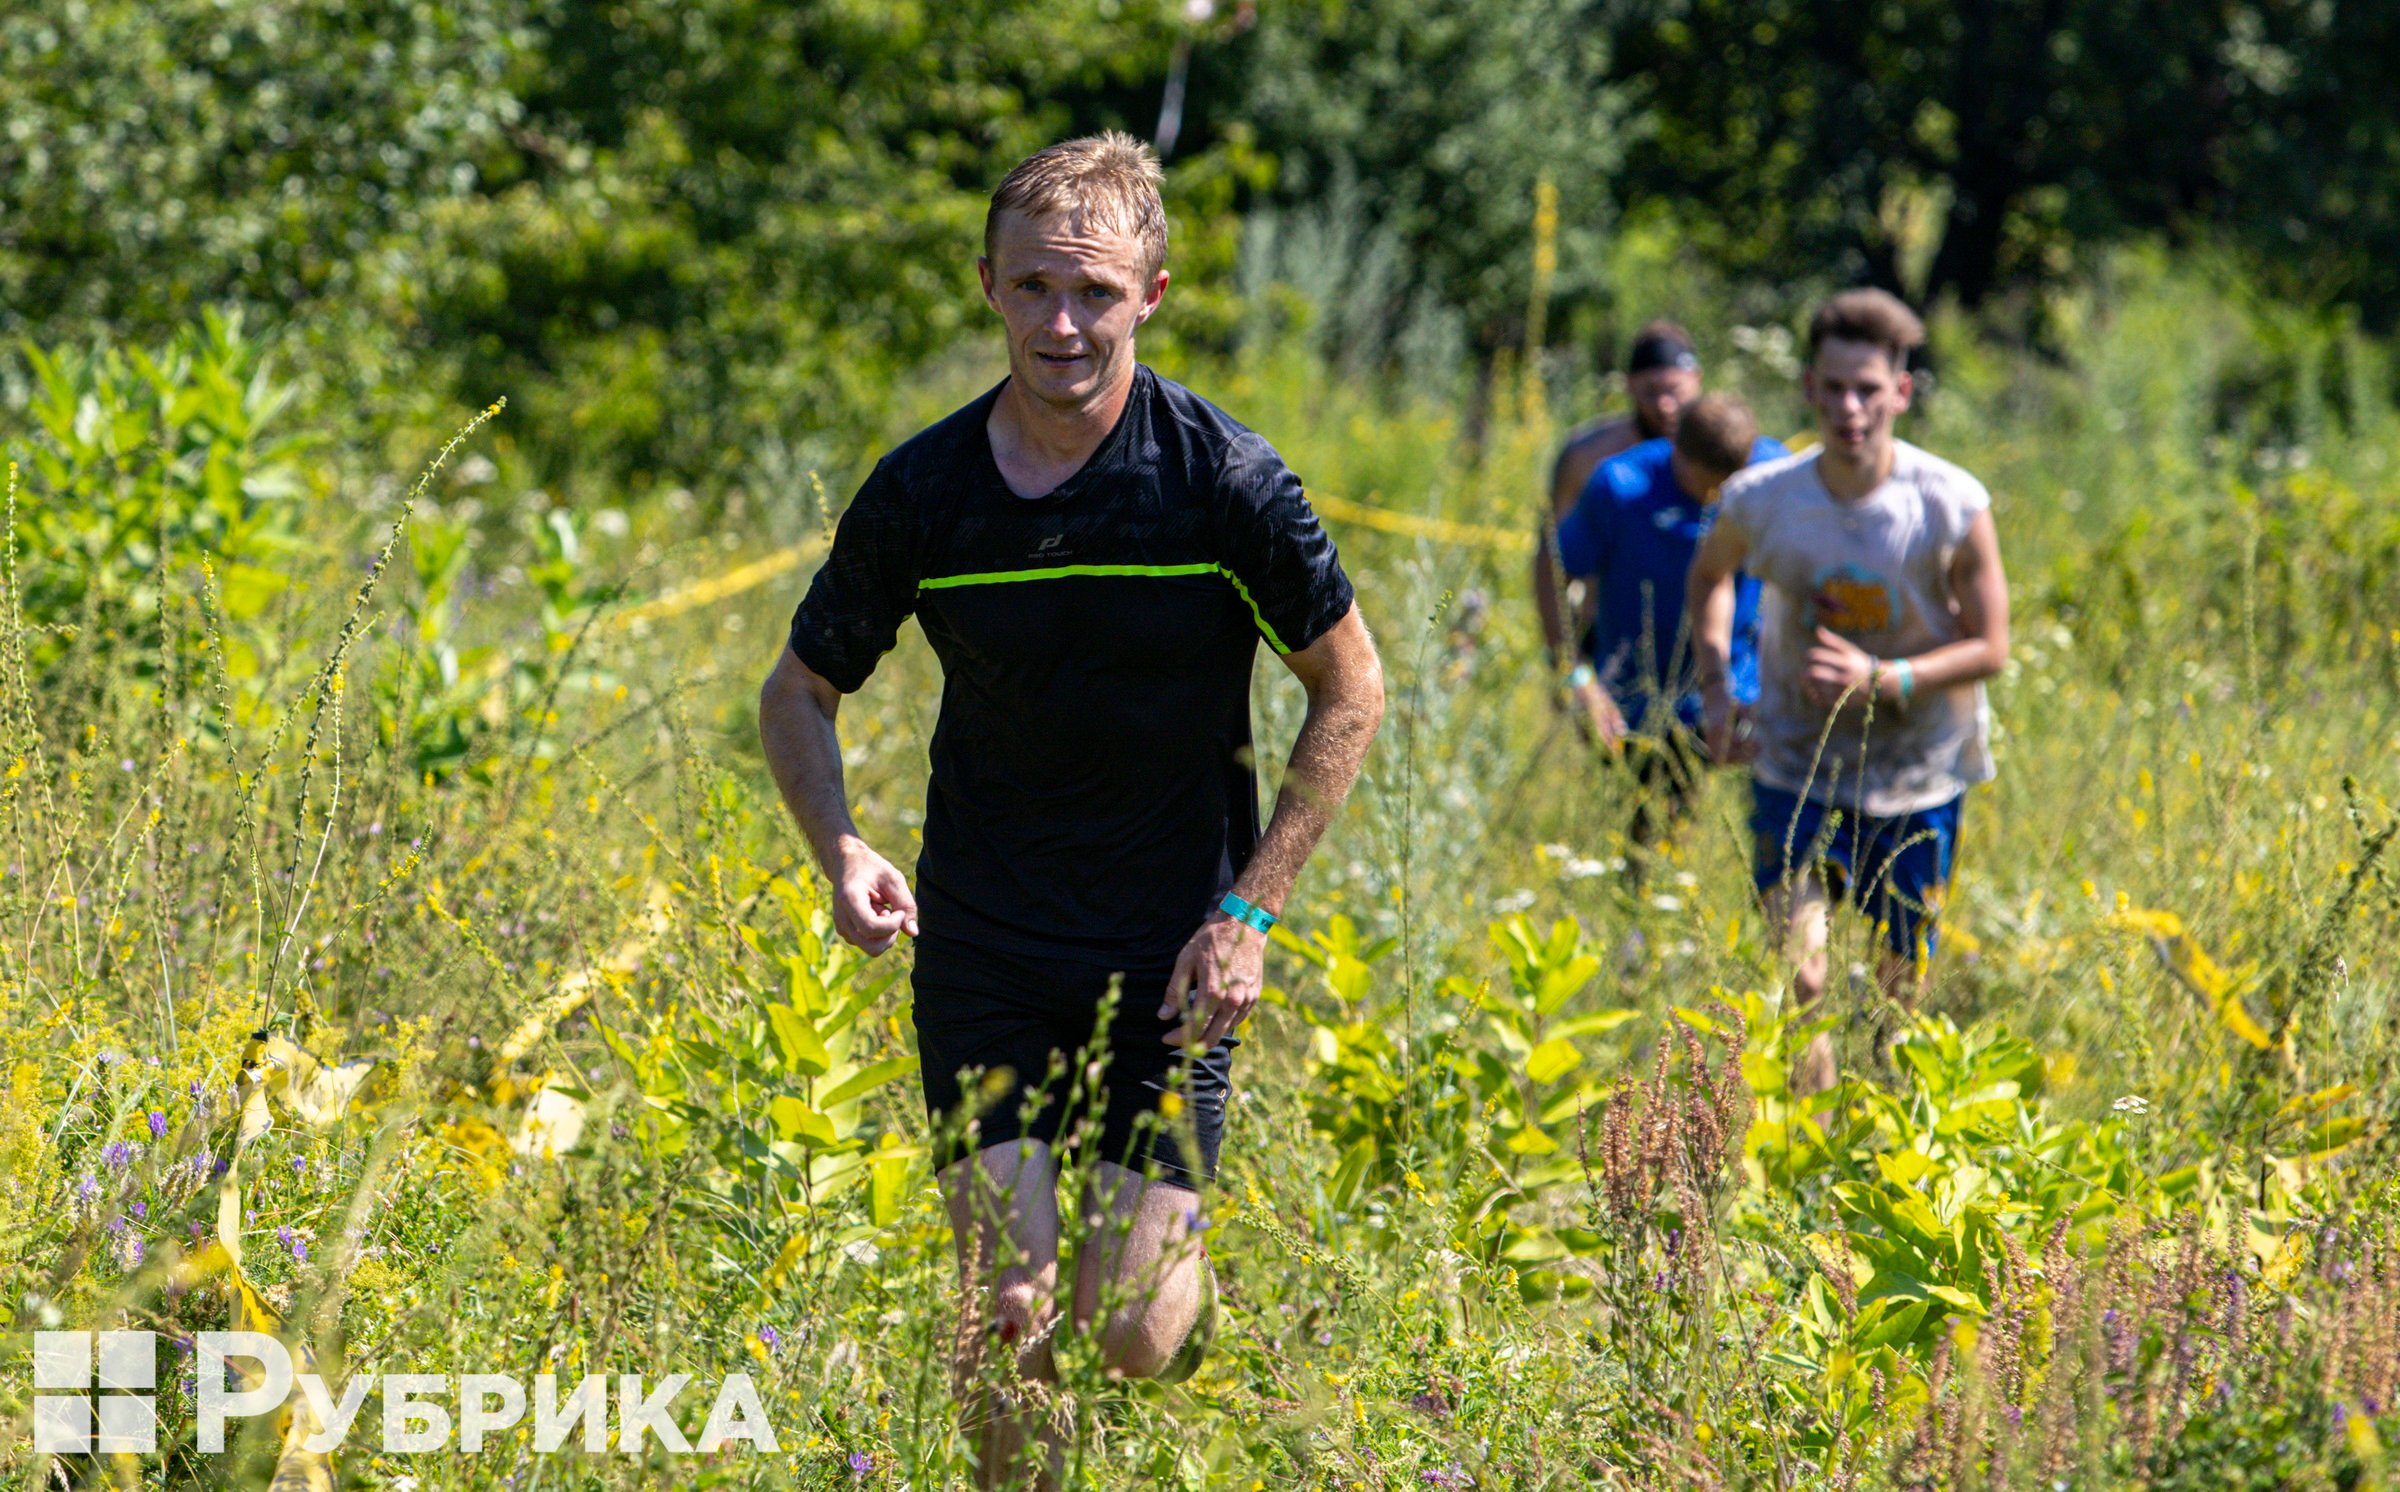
x: 1631, y: 537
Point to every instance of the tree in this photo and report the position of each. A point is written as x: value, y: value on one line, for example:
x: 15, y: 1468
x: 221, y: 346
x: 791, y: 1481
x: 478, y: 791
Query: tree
x: 1441, y: 115
x: 1941, y: 147
x: 163, y: 155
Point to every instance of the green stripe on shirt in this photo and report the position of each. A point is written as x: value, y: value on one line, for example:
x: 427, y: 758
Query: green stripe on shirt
x: 1061, y: 572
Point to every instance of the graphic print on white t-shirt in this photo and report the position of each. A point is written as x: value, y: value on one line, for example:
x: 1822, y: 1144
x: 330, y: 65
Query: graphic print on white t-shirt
x: 1877, y: 572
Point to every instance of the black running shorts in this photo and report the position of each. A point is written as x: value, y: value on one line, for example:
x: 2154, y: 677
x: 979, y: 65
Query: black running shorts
x: 1021, y: 1029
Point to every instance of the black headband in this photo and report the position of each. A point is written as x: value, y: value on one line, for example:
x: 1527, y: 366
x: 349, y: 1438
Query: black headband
x: 1656, y: 351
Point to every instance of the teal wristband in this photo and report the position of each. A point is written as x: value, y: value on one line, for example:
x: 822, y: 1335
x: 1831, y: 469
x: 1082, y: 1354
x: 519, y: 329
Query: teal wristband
x: 1243, y: 912
x: 1907, y: 674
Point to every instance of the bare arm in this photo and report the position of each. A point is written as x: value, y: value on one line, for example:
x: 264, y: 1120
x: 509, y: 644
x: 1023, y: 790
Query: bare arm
x: 872, y: 905
x: 1224, y: 961
x: 1709, y: 604
x: 1839, y: 667
x: 1549, y: 594
x: 1599, y: 715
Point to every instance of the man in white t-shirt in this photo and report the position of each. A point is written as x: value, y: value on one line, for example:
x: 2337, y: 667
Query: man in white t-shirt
x: 1883, y: 610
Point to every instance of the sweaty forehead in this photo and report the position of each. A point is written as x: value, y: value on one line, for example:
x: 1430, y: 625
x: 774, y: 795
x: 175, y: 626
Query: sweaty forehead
x: 1078, y: 240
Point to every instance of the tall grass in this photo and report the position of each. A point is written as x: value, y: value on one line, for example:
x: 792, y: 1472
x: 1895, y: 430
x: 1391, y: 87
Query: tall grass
x: 1445, y: 1262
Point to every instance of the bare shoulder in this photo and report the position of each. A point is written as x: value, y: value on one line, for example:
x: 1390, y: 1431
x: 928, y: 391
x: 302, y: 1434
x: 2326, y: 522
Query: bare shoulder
x: 1585, y: 447
x: 1595, y: 440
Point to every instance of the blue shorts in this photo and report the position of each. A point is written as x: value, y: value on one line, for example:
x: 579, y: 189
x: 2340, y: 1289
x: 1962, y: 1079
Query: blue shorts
x: 1893, y: 869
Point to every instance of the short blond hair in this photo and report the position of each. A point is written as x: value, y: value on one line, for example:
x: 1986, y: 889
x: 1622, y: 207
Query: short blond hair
x: 1111, y: 179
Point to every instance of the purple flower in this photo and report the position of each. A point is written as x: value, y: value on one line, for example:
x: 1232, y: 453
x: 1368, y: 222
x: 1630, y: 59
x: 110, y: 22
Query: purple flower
x: 87, y: 1188
x: 117, y: 1154
x: 291, y: 1240
x: 158, y: 1125
x: 141, y: 1209
x: 771, y: 1337
x: 299, y: 1164
x: 861, y: 1463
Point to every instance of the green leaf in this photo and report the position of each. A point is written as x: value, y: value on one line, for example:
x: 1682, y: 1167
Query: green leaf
x: 866, y: 1080
x: 795, y: 1120
x: 888, y: 1168
x: 1531, y: 1141
x: 803, y: 1051
x: 1552, y: 1060
x: 1560, y: 982
x: 1593, y: 1024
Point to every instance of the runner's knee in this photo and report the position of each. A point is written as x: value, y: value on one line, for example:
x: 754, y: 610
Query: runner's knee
x: 1021, y: 1307
x: 1129, y: 1349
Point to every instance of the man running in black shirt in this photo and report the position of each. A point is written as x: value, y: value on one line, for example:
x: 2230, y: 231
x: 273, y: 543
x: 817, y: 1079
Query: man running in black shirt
x: 1094, y: 554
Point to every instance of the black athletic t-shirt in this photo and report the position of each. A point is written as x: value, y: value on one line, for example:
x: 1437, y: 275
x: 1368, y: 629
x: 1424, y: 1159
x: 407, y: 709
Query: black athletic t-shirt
x: 1092, y: 789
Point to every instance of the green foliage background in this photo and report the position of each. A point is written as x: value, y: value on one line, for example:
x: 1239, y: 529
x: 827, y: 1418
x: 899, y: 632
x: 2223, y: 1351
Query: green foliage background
x: 449, y: 790
x: 699, y: 243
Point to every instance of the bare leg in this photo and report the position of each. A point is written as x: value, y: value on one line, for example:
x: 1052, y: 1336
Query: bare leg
x: 1139, y: 1270
x: 1799, y: 907
x: 1004, y: 1218
x: 1901, y: 979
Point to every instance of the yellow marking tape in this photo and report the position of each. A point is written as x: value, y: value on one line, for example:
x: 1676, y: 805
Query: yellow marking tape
x: 781, y: 562
x: 1440, y: 530
x: 717, y: 587
x: 784, y: 561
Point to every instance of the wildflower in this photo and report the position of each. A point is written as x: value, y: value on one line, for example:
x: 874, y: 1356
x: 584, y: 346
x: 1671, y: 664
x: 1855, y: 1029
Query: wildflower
x: 87, y: 1189
x: 2131, y: 1104
x: 861, y: 1463
x: 158, y: 1125
x: 770, y: 1337
x: 299, y: 1164
x: 291, y: 1240
x: 117, y: 1154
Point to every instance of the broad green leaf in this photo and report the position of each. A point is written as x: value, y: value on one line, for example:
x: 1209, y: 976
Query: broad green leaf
x: 1552, y: 1060
x: 1531, y: 1141
x: 2335, y: 1135
x: 1559, y: 983
x: 866, y: 1080
x: 795, y: 1120
x: 1593, y: 1024
x: 803, y: 1051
